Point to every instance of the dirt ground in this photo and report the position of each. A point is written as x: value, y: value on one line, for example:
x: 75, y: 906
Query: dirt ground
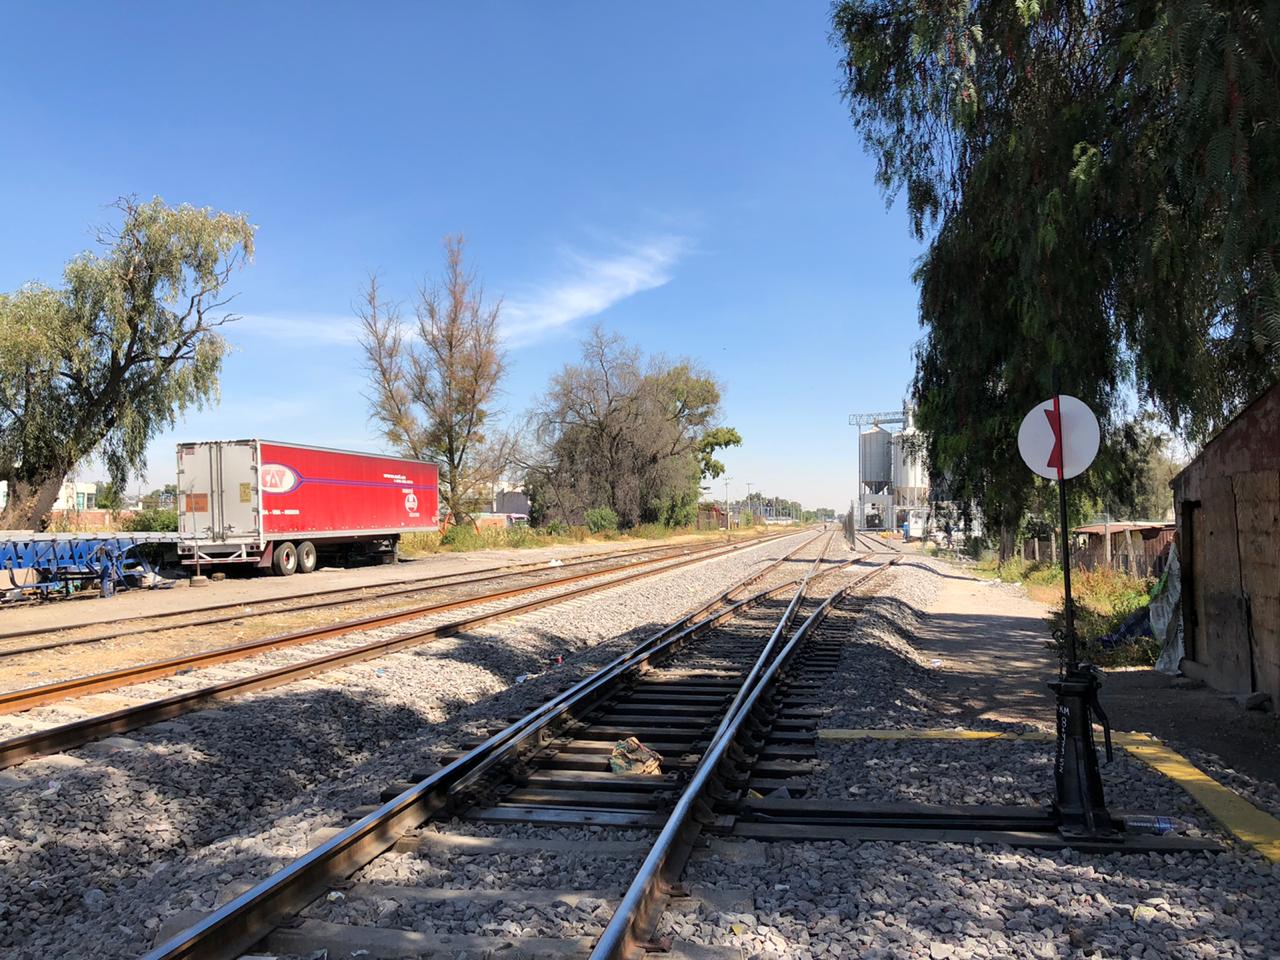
x: 991, y: 639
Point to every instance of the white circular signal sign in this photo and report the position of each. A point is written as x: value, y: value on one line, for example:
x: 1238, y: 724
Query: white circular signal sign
x: 1059, y: 438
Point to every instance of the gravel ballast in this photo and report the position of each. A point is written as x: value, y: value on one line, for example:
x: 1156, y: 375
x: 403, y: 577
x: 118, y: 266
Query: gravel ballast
x: 99, y: 845
x: 936, y: 901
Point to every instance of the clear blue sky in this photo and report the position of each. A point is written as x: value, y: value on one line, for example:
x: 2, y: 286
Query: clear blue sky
x: 683, y: 173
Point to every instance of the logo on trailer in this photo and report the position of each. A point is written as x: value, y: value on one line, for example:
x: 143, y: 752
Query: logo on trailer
x: 277, y: 478
x: 411, y: 501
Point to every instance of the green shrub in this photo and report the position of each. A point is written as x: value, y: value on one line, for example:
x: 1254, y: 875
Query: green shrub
x: 462, y: 537
x: 416, y: 543
x: 520, y: 537
x: 152, y: 521
x: 1104, y: 599
x: 557, y: 528
x: 600, y: 519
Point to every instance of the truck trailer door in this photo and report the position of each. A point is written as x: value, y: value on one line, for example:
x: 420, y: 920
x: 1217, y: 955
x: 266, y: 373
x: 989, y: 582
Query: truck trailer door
x: 238, y: 494
x: 218, y: 490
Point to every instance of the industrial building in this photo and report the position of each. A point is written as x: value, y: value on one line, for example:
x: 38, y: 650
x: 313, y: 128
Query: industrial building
x: 893, y: 483
x: 1227, y: 506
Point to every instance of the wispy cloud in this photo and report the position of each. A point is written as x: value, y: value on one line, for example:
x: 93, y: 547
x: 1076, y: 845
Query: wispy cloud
x: 299, y: 328
x: 589, y: 286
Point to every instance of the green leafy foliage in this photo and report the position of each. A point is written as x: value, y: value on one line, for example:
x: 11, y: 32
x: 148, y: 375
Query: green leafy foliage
x: 1099, y: 189
x: 712, y: 440
x: 158, y: 520
x: 107, y: 496
x: 463, y: 536
x: 98, y: 366
x: 632, y: 433
x: 601, y: 518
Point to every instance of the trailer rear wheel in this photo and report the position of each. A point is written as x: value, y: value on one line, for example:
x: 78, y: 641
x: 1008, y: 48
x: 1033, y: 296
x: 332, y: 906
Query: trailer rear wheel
x: 284, y: 559
x: 306, y: 556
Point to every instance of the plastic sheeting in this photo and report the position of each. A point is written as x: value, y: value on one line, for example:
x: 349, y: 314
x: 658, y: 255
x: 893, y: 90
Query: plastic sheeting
x: 1166, y: 616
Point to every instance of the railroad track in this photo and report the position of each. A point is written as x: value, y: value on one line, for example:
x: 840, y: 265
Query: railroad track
x: 67, y: 736
x: 725, y: 694
x: 875, y: 544
x: 213, y: 614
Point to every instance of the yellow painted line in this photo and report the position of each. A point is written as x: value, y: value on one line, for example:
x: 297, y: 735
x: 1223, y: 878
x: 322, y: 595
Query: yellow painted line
x: 838, y: 734
x: 1255, y: 827
x: 1240, y: 817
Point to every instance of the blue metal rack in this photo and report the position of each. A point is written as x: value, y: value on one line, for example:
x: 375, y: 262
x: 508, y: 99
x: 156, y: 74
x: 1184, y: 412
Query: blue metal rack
x: 66, y: 563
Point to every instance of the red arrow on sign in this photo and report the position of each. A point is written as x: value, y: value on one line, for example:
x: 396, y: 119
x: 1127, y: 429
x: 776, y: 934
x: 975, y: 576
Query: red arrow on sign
x: 1055, y: 424
x: 1065, y: 446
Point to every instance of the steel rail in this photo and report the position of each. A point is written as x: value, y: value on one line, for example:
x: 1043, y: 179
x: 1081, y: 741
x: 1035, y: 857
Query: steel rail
x: 626, y: 937
x: 13, y: 701
x: 417, y: 585
x: 876, y: 545
x: 659, y: 646
x: 74, y: 734
x: 765, y: 654
x: 233, y: 929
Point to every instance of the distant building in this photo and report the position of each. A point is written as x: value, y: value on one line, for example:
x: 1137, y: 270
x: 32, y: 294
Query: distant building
x: 511, y: 501
x: 1138, y: 547
x: 77, y: 497
x: 892, y: 475
x: 72, y: 497
x: 1227, y: 504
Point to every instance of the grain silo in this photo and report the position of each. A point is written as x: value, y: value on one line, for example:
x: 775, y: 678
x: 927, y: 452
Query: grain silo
x: 910, y: 479
x: 875, y: 459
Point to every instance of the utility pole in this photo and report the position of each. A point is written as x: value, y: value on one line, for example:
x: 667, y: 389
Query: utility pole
x: 749, y: 507
x: 726, y: 506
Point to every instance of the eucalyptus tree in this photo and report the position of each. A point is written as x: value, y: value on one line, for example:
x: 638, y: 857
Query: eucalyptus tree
x: 130, y: 340
x: 1099, y: 186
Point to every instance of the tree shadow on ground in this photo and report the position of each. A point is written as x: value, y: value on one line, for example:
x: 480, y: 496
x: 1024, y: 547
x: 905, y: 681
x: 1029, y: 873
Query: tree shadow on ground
x: 894, y: 900
x: 133, y: 830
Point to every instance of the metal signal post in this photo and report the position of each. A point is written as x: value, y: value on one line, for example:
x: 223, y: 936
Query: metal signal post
x: 1071, y: 442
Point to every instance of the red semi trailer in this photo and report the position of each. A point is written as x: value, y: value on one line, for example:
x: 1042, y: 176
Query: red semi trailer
x: 280, y: 505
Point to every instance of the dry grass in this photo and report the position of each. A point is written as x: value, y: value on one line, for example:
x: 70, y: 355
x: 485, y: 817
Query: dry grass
x: 466, y: 539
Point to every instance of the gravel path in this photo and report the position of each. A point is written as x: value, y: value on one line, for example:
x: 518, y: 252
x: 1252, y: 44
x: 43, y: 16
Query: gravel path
x: 536, y: 893
x: 546, y: 891
x: 97, y: 846
x: 987, y: 772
